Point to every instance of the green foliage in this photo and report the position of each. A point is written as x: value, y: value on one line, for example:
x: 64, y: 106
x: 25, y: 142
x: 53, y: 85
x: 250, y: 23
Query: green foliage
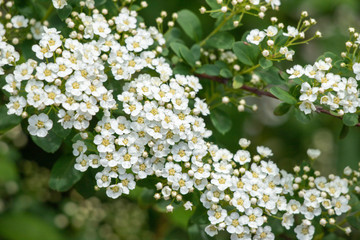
x: 50, y: 143
x: 213, y: 4
x: 63, y: 174
x: 191, y: 24
x: 20, y: 226
x: 238, y: 81
x: 7, y: 122
x: 246, y: 53
x: 182, y: 51
x: 209, y: 69
x: 351, y: 119
x: 265, y: 63
x: 282, y: 109
x: 354, y: 221
x: 64, y: 12
x: 283, y: 95
x: 221, y: 121
x: 270, y: 75
x: 221, y: 40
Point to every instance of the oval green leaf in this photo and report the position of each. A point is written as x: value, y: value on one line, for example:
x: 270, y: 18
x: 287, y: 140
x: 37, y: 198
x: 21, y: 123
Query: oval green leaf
x: 63, y: 174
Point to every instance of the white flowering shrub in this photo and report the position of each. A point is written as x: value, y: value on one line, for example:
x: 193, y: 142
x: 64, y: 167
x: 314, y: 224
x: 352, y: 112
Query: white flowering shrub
x: 129, y: 101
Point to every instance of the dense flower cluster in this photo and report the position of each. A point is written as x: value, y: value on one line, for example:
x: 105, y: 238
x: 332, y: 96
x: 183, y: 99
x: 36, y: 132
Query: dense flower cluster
x: 321, y: 86
x: 159, y: 134
x: 73, y: 84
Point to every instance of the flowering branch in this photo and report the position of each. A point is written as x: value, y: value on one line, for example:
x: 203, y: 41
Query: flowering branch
x: 259, y: 92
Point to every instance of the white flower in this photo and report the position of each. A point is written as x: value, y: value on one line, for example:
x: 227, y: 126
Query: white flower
x: 340, y: 205
x: 308, y: 93
x: 287, y: 221
x: 307, y: 107
x: 271, y: 31
x: 16, y: 105
x: 304, y: 232
x: 295, y: 72
x: 217, y: 216
x: 211, y: 230
x: 201, y: 106
x: 264, y: 233
x: 39, y: 125
x: 244, y: 143
x: 59, y: 4
x: 19, y: 21
x: 313, y: 153
x: 255, y: 36
x: 79, y: 148
x: 292, y: 32
x: 188, y: 205
x: 253, y: 217
x: 233, y: 224
x: 242, y: 157
x: 114, y: 191
x: 264, y: 151
x: 82, y: 163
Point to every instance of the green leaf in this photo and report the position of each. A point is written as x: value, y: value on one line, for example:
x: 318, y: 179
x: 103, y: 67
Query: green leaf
x: 63, y: 174
x: 20, y: 226
x: 99, y: 2
x: 57, y: 128
x: 51, y: 143
x: 213, y: 4
x: 64, y: 12
x: 191, y: 24
x: 182, y: 51
x: 209, y: 69
x: 354, y: 221
x: 225, y: 73
x: 246, y: 53
x: 301, y: 116
x: 283, y: 95
x: 270, y: 76
x: 351, y: 119
x: 146, y: 197
x: 182, y: 68
x: 174, y: 35
x: 265, y: 63
x: 238, y: 81
x: 282, y: 109
x: 7, y: 122
x: 221, y: 121
x: 86, y: 185
x: 221, y: 40
x: 195, y: 50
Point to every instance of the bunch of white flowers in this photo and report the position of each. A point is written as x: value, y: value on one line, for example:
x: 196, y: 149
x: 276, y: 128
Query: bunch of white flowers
x: 158, y: 134
x: 278, y: 41
x: 320, y: 85
x: 72, y: 85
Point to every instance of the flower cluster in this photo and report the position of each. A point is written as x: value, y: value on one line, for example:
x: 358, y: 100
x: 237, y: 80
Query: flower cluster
x: 17, y: 27
x: 159, y: 134
x: 60, y: 4
x: 321, y: 86
x: 278, y: 40
x: 73, y: 84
